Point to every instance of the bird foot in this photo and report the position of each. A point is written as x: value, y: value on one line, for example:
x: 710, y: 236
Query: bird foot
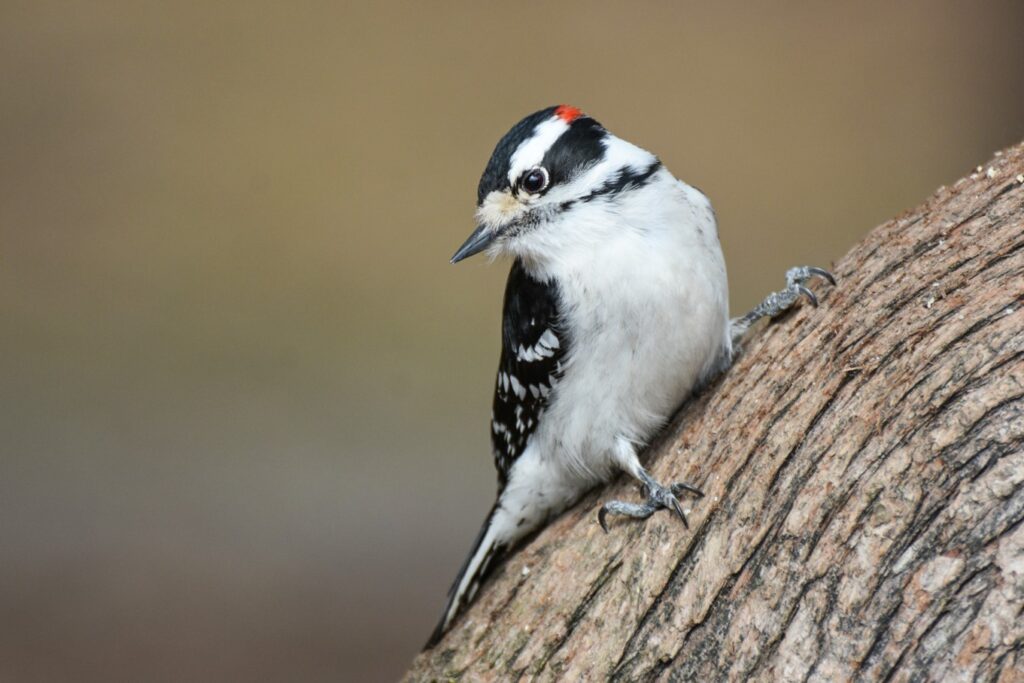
x: 781, y: 301
x: 657, y: 497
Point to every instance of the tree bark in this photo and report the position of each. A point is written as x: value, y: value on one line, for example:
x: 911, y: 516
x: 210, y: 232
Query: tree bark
x: 864, y: 470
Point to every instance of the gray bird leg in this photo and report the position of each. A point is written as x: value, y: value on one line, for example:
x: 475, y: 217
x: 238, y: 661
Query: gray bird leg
x: 779, y: 302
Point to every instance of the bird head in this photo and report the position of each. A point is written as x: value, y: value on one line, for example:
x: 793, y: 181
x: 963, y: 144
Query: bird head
x: 550, y: 167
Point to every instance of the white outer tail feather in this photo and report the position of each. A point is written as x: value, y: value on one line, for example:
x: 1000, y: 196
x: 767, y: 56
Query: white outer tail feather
x: 474, y: 571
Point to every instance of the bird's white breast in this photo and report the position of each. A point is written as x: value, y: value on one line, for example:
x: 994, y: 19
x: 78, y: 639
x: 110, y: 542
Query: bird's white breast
x: 645, y: 302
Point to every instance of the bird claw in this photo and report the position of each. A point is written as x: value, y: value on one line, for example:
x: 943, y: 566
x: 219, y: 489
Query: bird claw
x: 777, y: 303
x: 809, y: 294
x: 681, y: 486
x: 822, y: 273
x: 657, y: 497
x: 797, y: 278
x: 798, y: 275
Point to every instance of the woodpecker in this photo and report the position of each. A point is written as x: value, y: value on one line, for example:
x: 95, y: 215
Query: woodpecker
x: 615, y: 311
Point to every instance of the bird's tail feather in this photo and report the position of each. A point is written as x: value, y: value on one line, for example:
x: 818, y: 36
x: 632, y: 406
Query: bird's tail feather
x: 483, y: 558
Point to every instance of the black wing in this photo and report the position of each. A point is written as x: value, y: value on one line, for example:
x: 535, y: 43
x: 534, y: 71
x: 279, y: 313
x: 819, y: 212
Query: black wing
x: 532, y: 350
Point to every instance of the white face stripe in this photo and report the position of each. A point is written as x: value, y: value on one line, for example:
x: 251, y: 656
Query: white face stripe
x: 532, y: 151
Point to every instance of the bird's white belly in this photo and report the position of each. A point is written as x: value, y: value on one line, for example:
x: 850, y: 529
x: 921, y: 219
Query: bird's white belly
x: 648, y: 337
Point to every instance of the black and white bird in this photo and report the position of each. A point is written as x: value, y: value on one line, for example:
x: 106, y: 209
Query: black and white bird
x: 616, y: 310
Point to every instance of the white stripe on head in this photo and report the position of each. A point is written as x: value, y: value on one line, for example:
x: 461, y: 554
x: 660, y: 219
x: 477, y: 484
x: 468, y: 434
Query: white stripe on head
x: 531, y: 152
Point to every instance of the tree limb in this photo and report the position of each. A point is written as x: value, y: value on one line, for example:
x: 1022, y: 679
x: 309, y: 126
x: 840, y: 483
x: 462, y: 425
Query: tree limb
x: 863, y: 464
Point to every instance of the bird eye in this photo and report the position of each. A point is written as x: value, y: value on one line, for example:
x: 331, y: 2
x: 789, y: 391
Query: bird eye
x: 535, y: 180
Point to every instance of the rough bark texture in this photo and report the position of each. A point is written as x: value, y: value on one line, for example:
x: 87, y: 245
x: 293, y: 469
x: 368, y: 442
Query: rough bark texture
x: 864, y: 470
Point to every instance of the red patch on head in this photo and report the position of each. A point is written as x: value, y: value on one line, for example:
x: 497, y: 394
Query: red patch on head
x: 567, y: 113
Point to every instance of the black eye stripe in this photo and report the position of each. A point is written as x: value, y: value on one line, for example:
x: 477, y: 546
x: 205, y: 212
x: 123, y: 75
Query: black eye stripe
x: 578, y: 148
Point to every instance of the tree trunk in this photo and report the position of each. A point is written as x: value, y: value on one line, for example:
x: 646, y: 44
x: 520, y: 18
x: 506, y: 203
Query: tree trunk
x: 863, y: 464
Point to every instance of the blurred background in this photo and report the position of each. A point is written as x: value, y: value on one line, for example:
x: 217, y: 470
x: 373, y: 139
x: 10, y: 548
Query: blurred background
x: 243, y: 395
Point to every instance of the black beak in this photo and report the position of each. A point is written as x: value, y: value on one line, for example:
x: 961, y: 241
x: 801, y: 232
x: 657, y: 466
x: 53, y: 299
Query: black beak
x: 475, y: 243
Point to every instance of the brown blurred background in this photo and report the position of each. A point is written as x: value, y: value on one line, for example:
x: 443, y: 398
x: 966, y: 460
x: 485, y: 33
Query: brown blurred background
x: 243, y: 395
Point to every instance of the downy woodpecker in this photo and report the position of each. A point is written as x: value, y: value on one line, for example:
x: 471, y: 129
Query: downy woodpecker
x: 615, y: 311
